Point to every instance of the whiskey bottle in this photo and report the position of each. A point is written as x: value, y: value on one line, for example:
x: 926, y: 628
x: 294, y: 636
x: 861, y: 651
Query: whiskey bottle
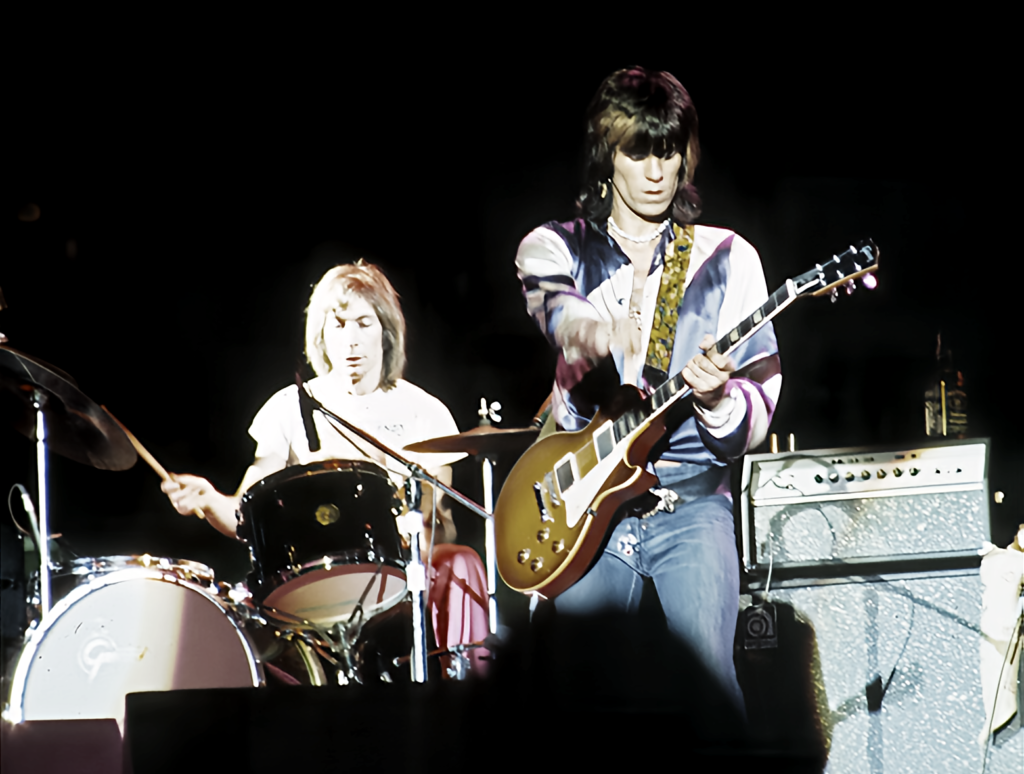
x: 945, y: 401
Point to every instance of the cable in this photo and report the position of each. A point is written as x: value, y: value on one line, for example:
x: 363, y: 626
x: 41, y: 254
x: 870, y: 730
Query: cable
x: 10, y: 510
x: 26, y: 502
x: 906, y: 641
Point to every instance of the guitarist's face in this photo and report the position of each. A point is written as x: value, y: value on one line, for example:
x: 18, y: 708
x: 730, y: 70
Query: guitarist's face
x: 644, y: 186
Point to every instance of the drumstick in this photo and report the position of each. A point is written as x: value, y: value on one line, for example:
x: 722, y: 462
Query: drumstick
x: 149, y: 458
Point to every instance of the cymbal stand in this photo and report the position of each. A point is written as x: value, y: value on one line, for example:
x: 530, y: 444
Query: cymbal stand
x: 489, y: 413
x: 416, y: 578
x: 42, y: 479
x: 419, y: 474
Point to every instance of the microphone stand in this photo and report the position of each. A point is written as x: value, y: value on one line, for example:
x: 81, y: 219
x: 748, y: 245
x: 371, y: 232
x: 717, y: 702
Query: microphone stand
x: 418, y: 474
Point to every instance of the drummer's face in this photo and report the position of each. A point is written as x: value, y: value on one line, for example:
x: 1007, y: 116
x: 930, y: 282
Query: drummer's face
x: 353, y: 338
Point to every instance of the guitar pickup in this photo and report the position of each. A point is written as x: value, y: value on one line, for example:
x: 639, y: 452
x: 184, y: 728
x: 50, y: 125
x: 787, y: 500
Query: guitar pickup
x: 539, y: 494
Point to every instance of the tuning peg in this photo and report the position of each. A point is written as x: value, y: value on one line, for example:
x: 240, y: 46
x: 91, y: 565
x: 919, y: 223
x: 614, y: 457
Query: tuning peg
x: 850, y: 287
x: 834, y: 295
x: 870, y: 281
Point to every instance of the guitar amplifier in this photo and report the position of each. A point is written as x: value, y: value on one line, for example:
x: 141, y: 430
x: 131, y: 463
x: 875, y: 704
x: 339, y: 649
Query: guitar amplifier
x: 842, y: 515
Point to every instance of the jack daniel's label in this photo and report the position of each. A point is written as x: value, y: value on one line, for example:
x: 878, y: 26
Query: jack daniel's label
x: 945, y: 410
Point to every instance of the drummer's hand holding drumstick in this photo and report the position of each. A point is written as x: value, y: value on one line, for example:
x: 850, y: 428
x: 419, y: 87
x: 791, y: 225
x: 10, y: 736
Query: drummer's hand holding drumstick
x: 192, y: 495
x: 189, y: 494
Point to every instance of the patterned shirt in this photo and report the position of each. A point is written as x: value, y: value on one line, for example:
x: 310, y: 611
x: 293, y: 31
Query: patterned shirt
x: 576, y: 270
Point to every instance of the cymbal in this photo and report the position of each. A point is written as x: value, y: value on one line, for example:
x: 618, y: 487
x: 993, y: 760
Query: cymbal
x: 480, y: 440
x: 76, y: 427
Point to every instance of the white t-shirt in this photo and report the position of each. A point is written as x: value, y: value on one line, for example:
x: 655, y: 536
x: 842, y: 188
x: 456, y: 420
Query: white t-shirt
x: 397, y: 417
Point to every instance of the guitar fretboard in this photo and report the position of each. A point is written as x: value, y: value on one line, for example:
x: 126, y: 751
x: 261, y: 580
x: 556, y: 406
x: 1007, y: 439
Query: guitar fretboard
x: 675, y: 388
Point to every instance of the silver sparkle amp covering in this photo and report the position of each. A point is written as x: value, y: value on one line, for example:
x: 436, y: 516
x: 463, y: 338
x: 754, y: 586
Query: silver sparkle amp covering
x: 854, y: 511
x: 897, y: 675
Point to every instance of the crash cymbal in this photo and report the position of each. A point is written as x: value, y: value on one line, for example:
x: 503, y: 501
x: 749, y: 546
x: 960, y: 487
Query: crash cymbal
x: 76, y: 427
x: 480, y: 440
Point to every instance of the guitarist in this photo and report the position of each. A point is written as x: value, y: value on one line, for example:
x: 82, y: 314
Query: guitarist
x: 595, y: 286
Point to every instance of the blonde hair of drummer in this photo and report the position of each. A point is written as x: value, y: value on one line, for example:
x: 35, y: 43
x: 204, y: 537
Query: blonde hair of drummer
x: 331, y: 292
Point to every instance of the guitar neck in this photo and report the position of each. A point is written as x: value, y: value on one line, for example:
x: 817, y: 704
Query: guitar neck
x: 675, y: 389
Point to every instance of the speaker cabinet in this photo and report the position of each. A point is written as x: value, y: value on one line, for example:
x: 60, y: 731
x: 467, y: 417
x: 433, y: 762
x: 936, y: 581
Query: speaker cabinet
x: 897, y: 674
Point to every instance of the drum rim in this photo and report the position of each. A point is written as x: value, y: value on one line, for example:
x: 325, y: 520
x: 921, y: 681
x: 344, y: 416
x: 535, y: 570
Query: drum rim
x: 340, y: 559
x: 118, y: 562
x: 14, y: 705
x: 315, y: 469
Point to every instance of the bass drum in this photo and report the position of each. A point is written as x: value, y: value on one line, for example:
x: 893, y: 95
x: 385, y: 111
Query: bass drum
x: 130, y: 624
x: 322, y: 537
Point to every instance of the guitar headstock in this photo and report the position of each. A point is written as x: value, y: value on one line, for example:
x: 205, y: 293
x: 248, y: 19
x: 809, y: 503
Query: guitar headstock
x: 855, y: 262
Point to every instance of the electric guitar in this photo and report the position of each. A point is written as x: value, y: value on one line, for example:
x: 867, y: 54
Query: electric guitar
x: 557, y: 505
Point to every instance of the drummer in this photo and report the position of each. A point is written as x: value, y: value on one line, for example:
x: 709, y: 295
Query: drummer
x: 355, y: 341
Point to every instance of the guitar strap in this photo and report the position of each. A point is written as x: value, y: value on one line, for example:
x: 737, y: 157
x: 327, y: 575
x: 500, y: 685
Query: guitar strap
x: 666, y: 313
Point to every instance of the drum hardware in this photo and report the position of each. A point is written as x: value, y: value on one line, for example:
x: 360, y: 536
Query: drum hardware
x: 460, y: 661
x: 414, y: 527
x: 411, y: 525
x: 486, y: 442
x: 46, y: 405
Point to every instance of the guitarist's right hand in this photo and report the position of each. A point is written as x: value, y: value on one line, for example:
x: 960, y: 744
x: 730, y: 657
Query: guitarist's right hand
x: 593, y: 340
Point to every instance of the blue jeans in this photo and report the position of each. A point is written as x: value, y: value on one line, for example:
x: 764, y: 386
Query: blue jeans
x: 691, y: 555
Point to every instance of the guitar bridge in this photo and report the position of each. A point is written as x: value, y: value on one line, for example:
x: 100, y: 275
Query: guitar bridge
x: 549, y: 484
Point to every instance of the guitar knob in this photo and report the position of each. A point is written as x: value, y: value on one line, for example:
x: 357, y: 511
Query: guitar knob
x: 543, y: 534
x: 523, y: 555
x: 537, y: 563
x: 558, y: 546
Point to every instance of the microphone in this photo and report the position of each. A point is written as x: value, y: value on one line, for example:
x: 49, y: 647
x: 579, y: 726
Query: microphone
x: 306, y: 410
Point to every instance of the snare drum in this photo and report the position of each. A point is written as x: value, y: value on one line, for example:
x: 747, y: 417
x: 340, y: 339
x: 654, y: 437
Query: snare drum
x: 130, y: 624
x: 322, y: 537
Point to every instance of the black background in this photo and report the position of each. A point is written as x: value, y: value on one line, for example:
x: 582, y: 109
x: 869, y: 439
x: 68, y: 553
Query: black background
x: 192, y: 186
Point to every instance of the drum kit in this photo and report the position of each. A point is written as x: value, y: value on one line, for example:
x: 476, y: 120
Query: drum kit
x: 334, y: 598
